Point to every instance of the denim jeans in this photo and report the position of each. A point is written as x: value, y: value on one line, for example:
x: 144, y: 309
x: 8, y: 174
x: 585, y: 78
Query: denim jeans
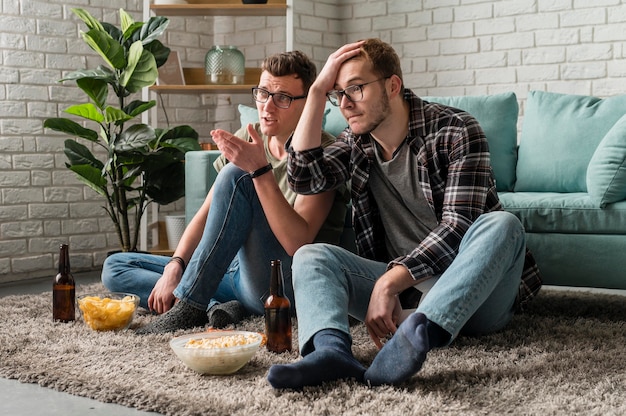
x: 475, y: 295
x: 231, y: 262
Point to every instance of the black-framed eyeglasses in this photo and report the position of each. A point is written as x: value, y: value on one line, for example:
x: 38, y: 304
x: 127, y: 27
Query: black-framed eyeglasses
x: 354, y: 93
x: 280, y: 100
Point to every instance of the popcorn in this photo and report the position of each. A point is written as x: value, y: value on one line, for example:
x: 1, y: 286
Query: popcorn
x: 224, y: 341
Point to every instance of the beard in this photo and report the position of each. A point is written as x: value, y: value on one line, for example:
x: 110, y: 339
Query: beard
x: 375, y: 115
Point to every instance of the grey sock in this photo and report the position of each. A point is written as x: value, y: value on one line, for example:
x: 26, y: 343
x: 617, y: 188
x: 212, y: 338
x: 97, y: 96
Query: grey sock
x: 181, y: 316
x: 403, y: 355
x: 224, y: 314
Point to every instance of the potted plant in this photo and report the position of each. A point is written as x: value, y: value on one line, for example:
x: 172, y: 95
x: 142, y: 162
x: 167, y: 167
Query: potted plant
x: 140, y: 164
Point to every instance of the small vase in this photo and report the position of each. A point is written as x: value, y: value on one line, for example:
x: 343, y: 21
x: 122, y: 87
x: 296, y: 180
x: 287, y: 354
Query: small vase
x: 224, y: 65
x: 254, y: 1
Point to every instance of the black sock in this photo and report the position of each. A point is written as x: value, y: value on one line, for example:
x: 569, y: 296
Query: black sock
x: 437, y: 336
x: 331, y: 360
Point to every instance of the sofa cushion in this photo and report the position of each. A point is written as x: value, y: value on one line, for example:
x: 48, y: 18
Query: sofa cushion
x: 333, y: 121
x: 559, y: 135
x: 568, y: 213
x: 606, y: 173
x: 247, y: 115
x: 497, y: 115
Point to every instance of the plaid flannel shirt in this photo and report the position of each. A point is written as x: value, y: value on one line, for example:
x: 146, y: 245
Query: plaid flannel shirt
x: 452, y: 157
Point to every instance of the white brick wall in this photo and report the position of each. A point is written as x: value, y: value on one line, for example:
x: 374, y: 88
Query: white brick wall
x: 447, y: 47
x: 41, y: 203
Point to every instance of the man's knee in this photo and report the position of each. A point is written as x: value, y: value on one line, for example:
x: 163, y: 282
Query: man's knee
x: 310, y: 252
x: 500, y: 222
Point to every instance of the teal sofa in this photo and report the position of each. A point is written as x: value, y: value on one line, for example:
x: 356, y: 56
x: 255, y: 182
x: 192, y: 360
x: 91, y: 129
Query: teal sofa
x: 565, y: 178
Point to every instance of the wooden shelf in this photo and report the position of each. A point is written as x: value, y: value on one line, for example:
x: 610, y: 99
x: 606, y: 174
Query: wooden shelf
x: 195, y: 84
x: 221, y: 8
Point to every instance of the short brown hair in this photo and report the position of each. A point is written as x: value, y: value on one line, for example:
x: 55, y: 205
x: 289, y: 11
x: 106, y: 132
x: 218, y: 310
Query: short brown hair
x: 291, y: 63
x: 384, y: 59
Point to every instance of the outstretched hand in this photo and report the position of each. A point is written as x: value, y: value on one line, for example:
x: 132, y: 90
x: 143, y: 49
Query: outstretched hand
x: 248, y: 156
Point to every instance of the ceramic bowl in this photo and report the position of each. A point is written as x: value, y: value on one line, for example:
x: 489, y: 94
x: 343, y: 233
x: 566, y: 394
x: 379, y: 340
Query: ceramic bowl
x: 216, y: 352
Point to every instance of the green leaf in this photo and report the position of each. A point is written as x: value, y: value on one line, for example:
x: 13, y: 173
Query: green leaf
x: 92, y: 177
x: 96, y: 89
x: 166, y: 185
x: 100, y: 73
x: 70, y: 127
x: 90, y: 21
x: 129, y: 33
x: 87, y: 110
x: 79, y: 154
x: 135, y: 137
x: 184, y: 144
x: 114, y: 31
x: 108, y: 48
x: 134, y: 55
x: 137, y: 107
x: 114, y: 115
x: 159, y: 51
x: 179, y: 132
x: 126, y: 19
x: 153, y: 29
x: 156, y: 161
x: 141, y: 70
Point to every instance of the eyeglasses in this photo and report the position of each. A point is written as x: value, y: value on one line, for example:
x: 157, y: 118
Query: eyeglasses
x: 280, y: 100
x: 354, y: 93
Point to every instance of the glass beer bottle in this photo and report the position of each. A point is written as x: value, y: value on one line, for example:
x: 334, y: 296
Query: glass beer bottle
x: 277, y: 313
x: 64, y: 289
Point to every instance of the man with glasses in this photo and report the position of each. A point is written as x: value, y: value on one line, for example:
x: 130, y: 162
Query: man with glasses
x: 220, y: 270
x: 425, y: 213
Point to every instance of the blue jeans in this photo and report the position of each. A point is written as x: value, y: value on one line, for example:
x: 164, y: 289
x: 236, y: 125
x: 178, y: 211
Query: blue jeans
x: 475, y: 295
x: 231, y: 262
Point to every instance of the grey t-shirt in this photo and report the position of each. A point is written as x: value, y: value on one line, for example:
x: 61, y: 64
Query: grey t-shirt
x: 405, y: 213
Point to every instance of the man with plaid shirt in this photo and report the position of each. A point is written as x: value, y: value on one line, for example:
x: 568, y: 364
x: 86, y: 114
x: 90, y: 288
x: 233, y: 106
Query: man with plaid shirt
x: 426, y: 214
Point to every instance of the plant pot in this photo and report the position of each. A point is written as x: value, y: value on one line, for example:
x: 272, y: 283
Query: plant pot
x: 174, y: 226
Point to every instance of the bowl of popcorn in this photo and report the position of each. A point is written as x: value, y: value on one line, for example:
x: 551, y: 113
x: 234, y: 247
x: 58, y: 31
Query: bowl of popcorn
x: 110, y: 311
x: 216, y: 352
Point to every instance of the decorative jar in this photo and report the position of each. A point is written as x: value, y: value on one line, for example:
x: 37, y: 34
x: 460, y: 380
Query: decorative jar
x: 224, y: 65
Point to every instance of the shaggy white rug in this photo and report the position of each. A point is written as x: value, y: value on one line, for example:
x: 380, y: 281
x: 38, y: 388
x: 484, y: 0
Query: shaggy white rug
x: 565, y: 356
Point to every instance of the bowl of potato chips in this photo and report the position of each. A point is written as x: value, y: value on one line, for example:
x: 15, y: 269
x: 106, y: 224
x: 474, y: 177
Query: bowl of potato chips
x: 216, y: 352
x: 110, y: 311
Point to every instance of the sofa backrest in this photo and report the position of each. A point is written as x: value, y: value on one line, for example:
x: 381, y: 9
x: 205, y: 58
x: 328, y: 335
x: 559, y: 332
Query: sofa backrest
x: 497, y: 115
x: 560, y: 134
